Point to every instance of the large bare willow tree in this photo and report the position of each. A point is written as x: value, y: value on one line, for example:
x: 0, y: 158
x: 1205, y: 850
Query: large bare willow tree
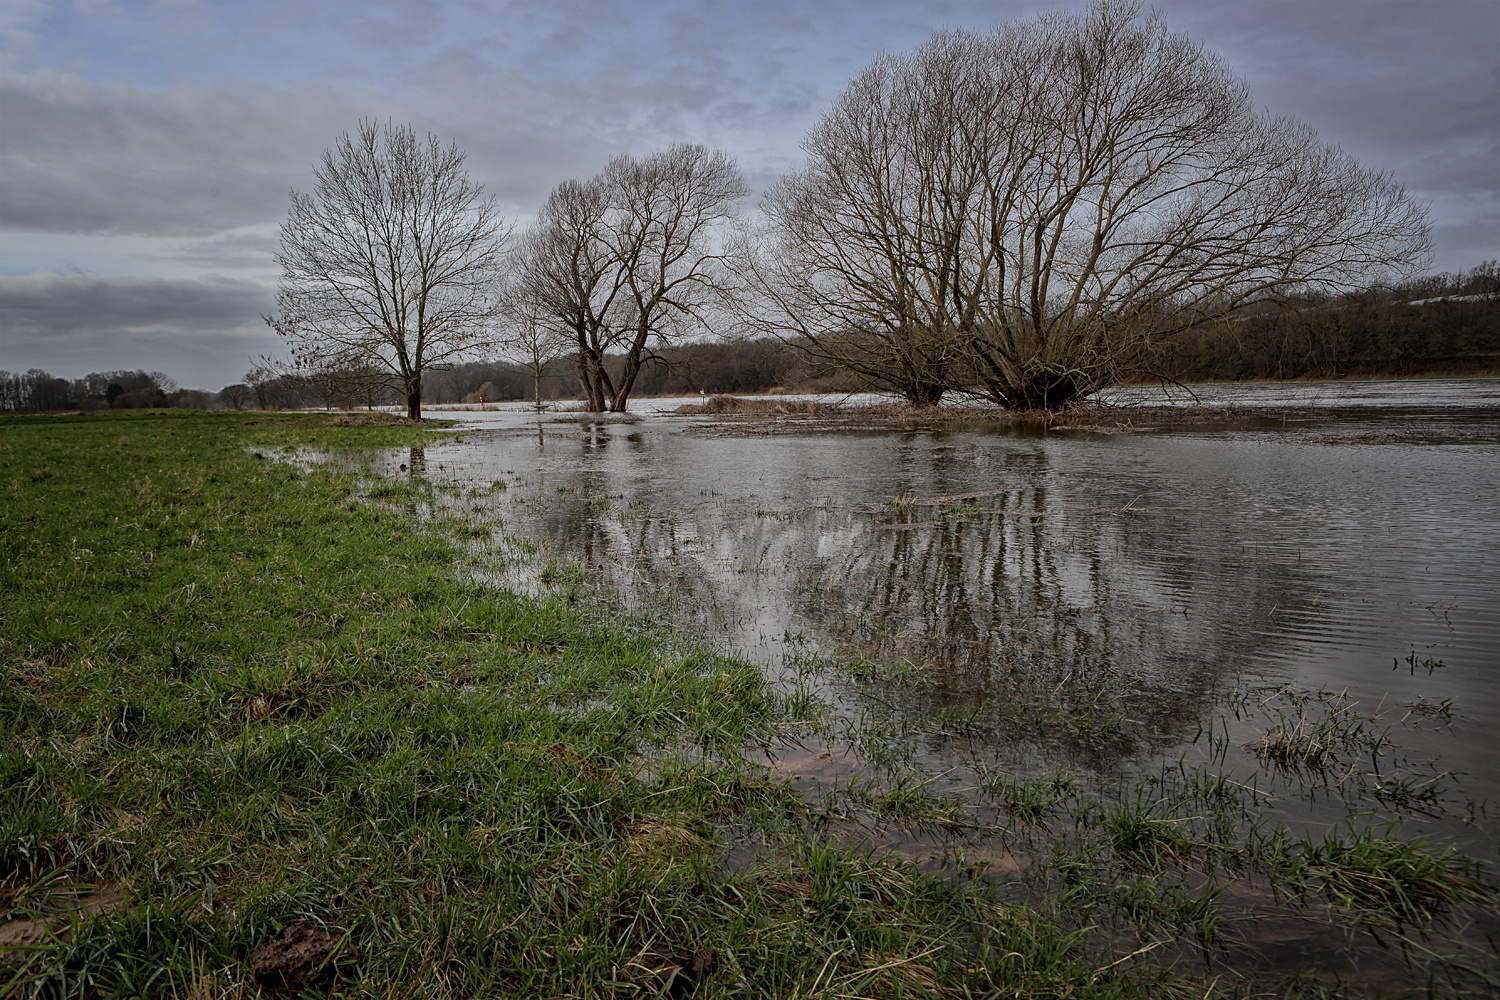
x: 629, y: 259
x: 1021, y: 214
x: 390, y: 263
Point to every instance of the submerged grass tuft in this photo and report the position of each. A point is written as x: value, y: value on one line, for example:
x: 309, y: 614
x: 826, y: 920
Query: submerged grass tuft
x: 1382, y: 880
x: 1324, y: 731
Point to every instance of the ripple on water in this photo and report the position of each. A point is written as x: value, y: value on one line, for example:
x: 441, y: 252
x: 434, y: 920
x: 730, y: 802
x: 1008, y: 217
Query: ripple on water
x: 1179, y: 564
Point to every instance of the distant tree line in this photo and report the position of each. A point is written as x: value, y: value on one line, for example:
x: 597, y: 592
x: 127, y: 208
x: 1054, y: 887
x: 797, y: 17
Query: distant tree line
x: 679, y: 370
x: 1437, y: 323
x: 36, y: 390
x: 743, y: 366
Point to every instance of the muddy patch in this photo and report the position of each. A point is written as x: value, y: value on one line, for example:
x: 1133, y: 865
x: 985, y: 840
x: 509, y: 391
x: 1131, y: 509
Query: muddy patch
x: 53, y: 917
x: 811, y: 765
x: 295, y: 957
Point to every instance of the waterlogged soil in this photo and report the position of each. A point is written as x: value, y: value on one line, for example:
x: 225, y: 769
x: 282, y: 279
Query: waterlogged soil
x: 61, y: 908
x: 1108, y: 601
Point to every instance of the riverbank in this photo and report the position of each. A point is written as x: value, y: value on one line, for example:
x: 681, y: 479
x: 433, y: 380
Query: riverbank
x: 260, y: 734
x: 1252, y: 406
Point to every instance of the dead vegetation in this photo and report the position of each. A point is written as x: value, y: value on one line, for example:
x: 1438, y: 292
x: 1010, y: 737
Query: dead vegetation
x: 372, y: 418
x: 1410, y: 436
x: 759, y: 414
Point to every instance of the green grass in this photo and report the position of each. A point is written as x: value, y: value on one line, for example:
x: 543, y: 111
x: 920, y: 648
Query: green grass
x: 1028, y: 801
x: 240, y: 696
x: 1325, y: 732
x: 1380, y: 880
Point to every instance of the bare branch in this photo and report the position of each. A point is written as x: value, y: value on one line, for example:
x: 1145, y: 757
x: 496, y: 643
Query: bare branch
x: 630, y: 259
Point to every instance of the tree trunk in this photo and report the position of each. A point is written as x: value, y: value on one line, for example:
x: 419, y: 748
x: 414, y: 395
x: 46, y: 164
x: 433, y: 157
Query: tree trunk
x: 414, y: 402
x: 924, y: 394
x: 621, y: 397
x: 594, y: 380
x: 592, y: 389
x: 1044, y: 391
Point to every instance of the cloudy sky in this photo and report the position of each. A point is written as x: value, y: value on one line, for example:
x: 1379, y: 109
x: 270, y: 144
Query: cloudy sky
x: 146, y: 148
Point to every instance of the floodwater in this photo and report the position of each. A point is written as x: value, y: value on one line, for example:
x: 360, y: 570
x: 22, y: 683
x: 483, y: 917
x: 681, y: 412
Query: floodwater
x: 1182, y: 563
x: 1183, y: 580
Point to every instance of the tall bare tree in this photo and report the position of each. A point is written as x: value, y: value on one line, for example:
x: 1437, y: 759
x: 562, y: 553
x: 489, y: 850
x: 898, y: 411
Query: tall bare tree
x: 390, y: 262
x: 630, y: 259
x: 1022, y: 213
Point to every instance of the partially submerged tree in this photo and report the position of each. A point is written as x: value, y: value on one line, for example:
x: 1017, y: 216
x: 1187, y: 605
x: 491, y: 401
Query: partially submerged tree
x: 629, y: 259
x: 1023, y: 213
x: 390, y: 262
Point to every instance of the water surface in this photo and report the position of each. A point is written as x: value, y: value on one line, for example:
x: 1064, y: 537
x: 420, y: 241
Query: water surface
x: 1182, y: 566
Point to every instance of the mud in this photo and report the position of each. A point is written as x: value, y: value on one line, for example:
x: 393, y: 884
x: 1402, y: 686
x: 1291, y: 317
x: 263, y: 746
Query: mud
x: 57, y: 912
x: 295, y: 957
x: 21, y: 934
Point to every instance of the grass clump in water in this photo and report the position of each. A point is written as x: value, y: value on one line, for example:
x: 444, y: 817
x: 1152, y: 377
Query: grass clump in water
x: 1029, y: 801
x: 1381, y: 880
x: 1324, y: 731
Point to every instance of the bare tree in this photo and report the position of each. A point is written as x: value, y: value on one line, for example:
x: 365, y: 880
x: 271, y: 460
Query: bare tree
x: 533, y: 342
x: 236, y: 395
x: 564, y: 277
x: 1022, y: 214
x: 389, y: 262
x: 630, y: 259
x: 271, y: 387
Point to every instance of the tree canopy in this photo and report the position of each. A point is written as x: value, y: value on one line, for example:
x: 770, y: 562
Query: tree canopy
x: 390, y: 262
x: 631, y: 258
x: 1021, y: 214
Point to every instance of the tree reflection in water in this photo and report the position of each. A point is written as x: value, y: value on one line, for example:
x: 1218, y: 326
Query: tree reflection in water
x: 1111, y: 588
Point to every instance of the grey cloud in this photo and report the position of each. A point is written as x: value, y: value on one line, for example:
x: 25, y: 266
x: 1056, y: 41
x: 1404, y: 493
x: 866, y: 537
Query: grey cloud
x: 1410, y: 88
x: 17, y: 39
x: 538, y: 92
x: 86, y: 158
x: 247, y: 250
x: 73, y: 323
x: 1467, y: 243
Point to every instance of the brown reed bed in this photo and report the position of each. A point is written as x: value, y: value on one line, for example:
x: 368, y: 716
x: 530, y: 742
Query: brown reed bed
x: 762, y: 414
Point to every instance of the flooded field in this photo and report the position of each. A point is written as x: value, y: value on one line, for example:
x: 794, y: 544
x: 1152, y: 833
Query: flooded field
x: 1029, y: 640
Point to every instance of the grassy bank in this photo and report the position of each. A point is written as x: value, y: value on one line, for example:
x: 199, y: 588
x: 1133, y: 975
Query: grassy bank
x: 259, y: 732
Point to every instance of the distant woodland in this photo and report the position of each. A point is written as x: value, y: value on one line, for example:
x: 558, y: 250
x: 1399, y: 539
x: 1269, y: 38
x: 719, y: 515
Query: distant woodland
x: 1442, y: 324
x: 1439, y: 324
